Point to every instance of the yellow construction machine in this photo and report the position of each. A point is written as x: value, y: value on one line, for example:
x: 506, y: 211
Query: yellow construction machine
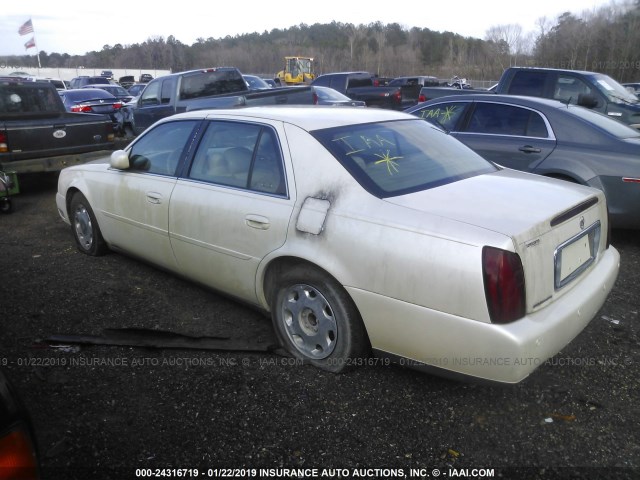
x: 297, y: 71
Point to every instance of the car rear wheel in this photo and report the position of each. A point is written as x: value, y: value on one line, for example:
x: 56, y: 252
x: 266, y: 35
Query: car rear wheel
x: 316, y: 320
x: 84, y: 227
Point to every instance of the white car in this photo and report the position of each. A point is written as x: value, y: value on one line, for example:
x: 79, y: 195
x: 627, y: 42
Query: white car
x: 359, y: 230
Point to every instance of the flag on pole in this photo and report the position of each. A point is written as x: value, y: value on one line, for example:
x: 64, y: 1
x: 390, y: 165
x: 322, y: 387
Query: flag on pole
x: 30, y: 44
x: 27, y: 27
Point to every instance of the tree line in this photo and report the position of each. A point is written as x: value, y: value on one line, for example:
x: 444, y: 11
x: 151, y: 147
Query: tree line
x: 602, y: 40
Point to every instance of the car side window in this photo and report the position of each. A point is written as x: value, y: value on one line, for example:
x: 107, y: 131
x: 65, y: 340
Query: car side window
x: 568, y: 88
x: 322, y: 81
x: 267, y: 174
x: 168, y: 86
x: 160, y: 149
x: 527, y: 83
x: 444, y: 115
x: 240, y: 155
x: 498, y: 119
x: 150, y: 95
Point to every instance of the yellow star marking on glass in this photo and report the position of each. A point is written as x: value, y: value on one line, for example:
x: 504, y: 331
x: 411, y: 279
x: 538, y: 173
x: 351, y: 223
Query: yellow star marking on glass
x: 448, y: 113
x: 389, y: 160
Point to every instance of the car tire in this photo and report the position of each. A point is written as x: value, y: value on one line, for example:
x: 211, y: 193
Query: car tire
x: 6, y: 206
x: 85, y: 228
x: 316, y: 320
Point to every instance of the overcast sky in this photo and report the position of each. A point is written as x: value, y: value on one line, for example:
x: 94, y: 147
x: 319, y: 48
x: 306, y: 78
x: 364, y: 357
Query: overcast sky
x: 80, y: 27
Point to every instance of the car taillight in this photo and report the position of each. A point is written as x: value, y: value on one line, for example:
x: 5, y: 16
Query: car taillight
x: 3, y: 142
x: 81, y: 108
x: 421, y: 98
x: 117, y: 105
x: 503, y: 284
x: 315, y: 98
x: 397, y: 97
x: 17, y: 456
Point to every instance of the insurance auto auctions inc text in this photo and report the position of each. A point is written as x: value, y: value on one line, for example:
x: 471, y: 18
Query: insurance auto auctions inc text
x: 369, y: 473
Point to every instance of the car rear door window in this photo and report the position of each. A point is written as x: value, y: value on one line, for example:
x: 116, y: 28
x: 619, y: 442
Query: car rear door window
x: 241, y: 155
x: 499, y: 119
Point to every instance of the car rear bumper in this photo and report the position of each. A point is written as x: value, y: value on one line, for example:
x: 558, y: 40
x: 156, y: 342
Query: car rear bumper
x: 500, y: 353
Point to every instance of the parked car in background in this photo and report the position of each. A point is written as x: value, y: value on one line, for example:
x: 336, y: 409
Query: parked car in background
x: 360, y: 86
x: 38, y: 134
x: 216, y: 87
x: 80, y: 82
x: 126, y: 81
x: 145, y: 78
x: 95, y: 100
x: 115, y: 90
x: 58, y: 83
x: 19, y: 457
x: 310, y: 202
x: 550, y: 138
x: 107, y: 74
x: 272, y: 82
x: 136, y: 89
x: 256, y: 83
x: 329, y: 96
x: 422, y: 80
x: 593, y: 90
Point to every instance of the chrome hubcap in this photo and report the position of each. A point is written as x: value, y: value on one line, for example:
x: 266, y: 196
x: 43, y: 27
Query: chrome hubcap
x: 83, y: 227
x: 309, y: 322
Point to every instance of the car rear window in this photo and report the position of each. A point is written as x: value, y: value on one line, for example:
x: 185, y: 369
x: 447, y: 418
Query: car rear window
x: 211, y: 83
x: 400, y: 157
x: 17, y: 99
x: 87, y: 93
x: 609, y: 125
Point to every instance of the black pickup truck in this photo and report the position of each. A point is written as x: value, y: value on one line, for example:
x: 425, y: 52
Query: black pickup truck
x: 222, y: 87
x: 37, y: 134
x: 360, y: 86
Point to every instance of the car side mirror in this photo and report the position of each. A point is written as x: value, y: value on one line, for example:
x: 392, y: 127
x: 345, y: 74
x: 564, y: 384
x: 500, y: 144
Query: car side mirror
x: 587, y: 100
x: 119, y: 160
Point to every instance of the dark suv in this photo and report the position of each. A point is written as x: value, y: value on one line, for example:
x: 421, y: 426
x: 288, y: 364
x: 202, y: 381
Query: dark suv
x: 80, y: 82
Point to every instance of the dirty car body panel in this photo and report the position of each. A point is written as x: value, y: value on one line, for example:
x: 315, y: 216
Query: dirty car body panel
x: 355, y: 229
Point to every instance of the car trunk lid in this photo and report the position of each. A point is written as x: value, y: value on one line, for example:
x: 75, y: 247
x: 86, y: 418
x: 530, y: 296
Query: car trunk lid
x: 558, y: 228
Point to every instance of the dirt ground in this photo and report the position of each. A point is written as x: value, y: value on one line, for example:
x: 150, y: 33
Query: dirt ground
x: 120, y: 412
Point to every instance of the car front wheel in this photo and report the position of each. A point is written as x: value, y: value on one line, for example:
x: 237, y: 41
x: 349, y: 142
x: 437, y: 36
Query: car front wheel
x: 84, y: 227
x: 316, y: 320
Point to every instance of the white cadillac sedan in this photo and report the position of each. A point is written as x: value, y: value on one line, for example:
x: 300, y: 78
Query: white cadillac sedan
x: 359, y: 230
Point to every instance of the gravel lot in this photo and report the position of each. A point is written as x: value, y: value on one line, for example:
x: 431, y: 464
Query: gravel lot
x: 106, y: 411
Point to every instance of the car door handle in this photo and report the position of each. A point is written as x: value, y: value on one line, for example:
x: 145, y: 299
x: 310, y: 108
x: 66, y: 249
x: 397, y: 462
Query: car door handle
x: 154, y: 197
x: 257, y: 221
x: 529, y: 149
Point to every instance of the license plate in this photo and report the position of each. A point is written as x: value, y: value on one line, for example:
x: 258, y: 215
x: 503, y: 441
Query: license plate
x: 575, y: 255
